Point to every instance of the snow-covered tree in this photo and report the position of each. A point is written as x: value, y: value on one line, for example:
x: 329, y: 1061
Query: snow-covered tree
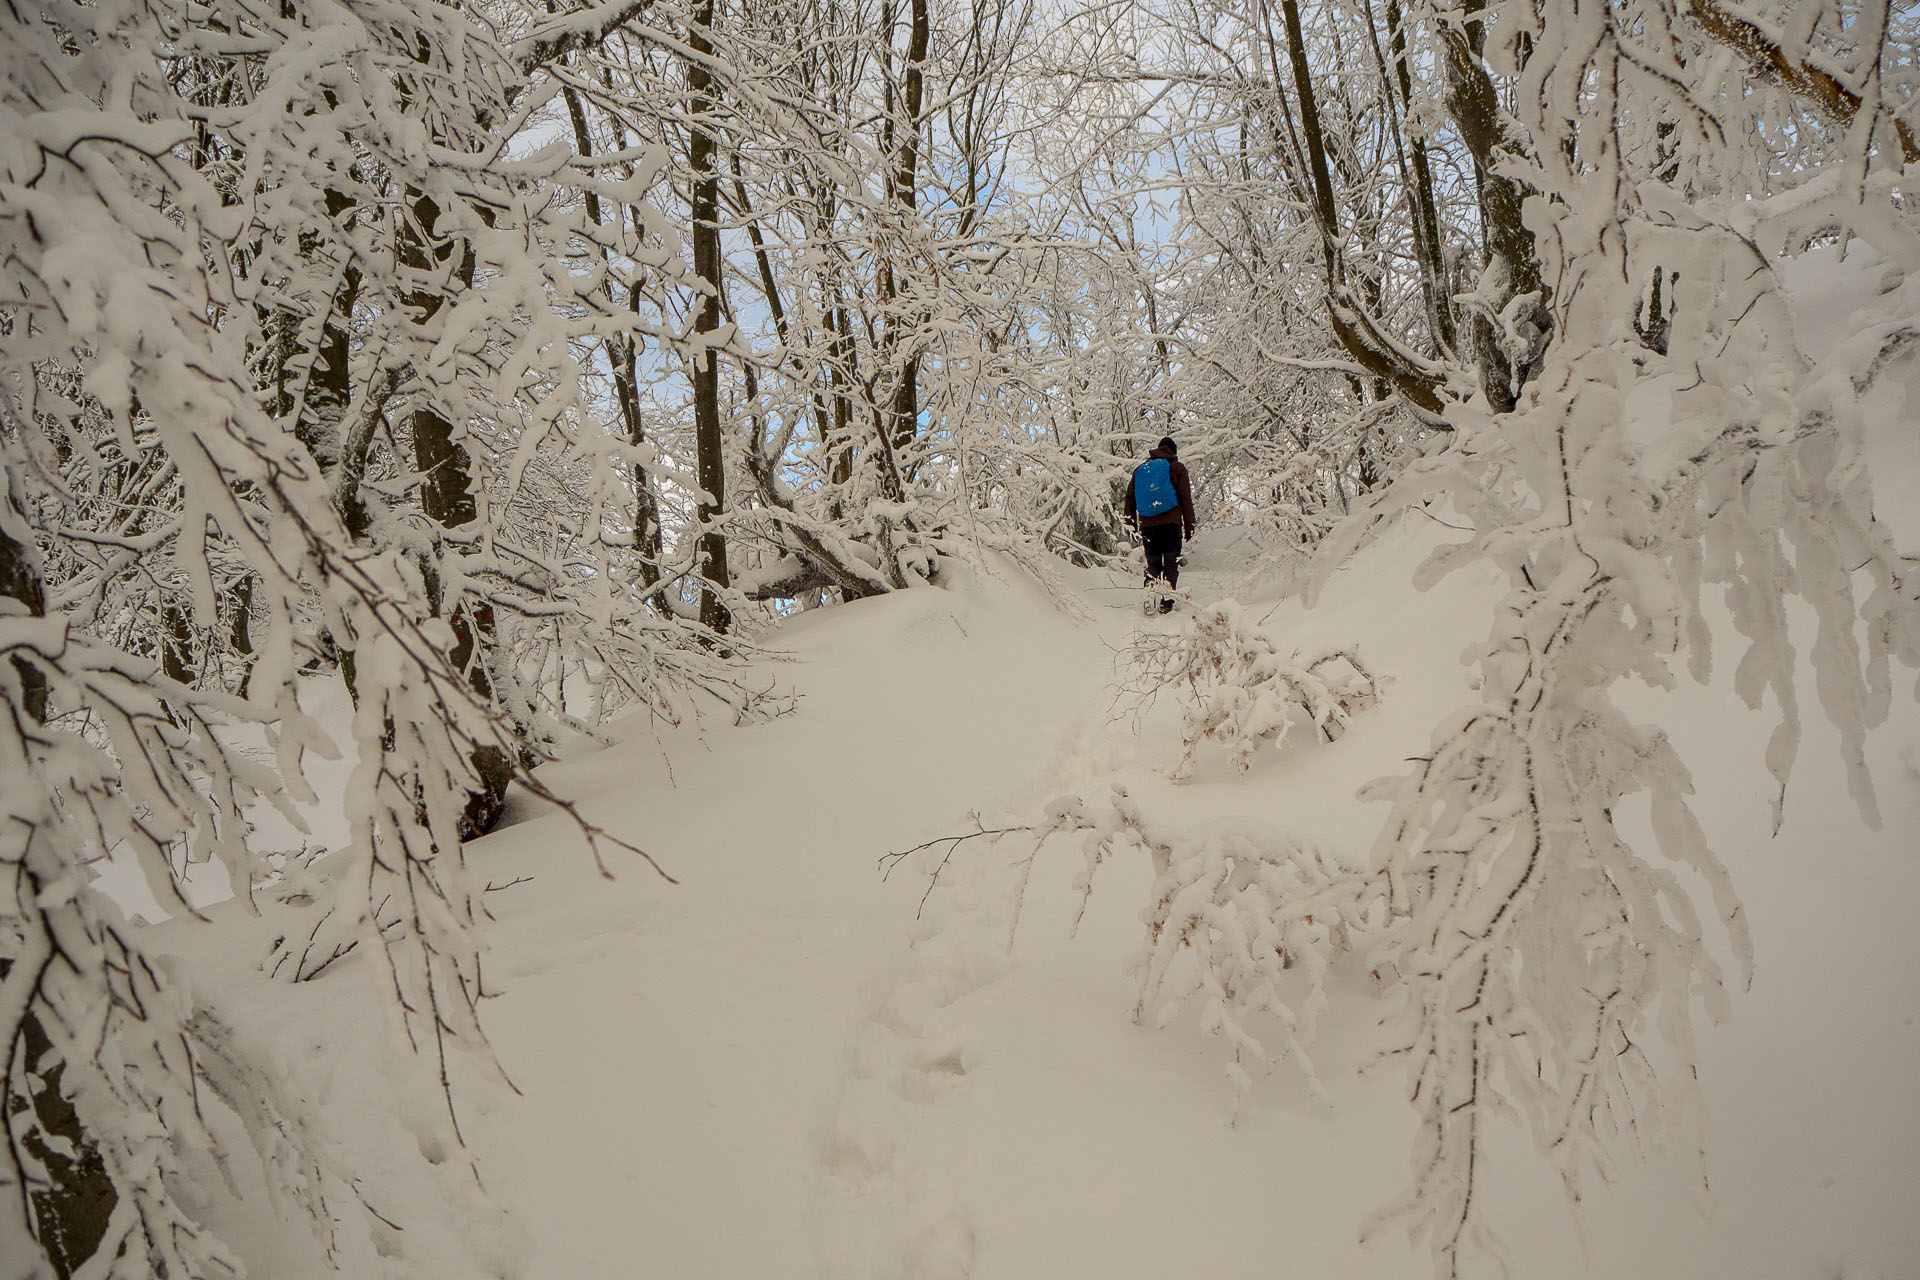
x: 1630, y: 249
x: 493, y: 352
x: 1614, y: 400
x: 289, y: 330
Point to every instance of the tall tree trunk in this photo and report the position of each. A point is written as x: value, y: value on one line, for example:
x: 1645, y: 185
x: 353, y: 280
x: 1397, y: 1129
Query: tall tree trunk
x: 447, y: 501
x: 328, y: 390
x: 176, y: 644
x: 21, y: 585
x: 903, y: 416
x: 1323, y: 204
x: 709, y: 453
x: 71, y: 1210
x: 1475, y: 106
x: 240, y: 629
x: 840, y: 376
x: 623, y: 352
x: 1430, y: 256
x: 1351, y: 325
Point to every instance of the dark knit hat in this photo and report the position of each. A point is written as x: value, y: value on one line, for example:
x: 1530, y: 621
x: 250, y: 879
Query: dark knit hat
x: 1166, y: 442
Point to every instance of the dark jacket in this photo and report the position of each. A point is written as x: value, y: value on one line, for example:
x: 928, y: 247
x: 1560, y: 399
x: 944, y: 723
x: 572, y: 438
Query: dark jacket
x: 1183, y: 513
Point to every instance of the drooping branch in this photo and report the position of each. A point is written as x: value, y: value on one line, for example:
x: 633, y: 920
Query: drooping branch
x: 555, y: 39
x: 1768, y: 60
x: 1418, y: 386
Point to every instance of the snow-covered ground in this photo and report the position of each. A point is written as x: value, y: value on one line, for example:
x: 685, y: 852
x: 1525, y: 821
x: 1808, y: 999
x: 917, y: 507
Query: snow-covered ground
x: 806, y: 1059
x: 789, y: 1064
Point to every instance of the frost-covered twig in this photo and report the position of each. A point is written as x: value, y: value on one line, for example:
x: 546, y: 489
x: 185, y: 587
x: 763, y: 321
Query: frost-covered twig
x: 1542, y: 948
x: 889, y: 861
x: 1238, y: 690
x: 1245, y: 919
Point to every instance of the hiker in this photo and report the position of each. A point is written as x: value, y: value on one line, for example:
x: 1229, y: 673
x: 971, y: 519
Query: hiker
x: 1161, y: 503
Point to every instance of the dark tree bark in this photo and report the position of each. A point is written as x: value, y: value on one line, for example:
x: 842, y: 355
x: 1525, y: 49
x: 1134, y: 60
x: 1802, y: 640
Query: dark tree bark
x: 176, y: 644
x: 446, y: 499
x: 1428, y: 250
x: 1355, y: 330
x: 1475, y: 106
x: 902, y: 137
x: 240, y: 629
x: 329, y: 381
x: 708, y: 445
x: 72, y: 1209
x: 841, y: 377
x: 1323, y: 203
x: 20, y: 583
x: 1769, y: 61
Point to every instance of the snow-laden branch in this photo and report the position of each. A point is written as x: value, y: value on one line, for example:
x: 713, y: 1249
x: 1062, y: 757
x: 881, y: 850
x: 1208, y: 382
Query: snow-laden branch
x: 552, y: 40
x: 1809, y: 75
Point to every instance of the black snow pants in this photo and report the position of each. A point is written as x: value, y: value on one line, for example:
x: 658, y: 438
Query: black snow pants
x: 1162, y: 542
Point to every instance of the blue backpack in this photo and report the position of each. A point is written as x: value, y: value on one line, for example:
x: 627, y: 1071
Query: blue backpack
x: 1153, y: 493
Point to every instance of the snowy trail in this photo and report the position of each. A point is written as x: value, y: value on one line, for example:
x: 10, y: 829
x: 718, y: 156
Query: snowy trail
x: 715, y: 1016
x: 1004, y: 1117
x: 781, y: 1034
x: 785, y: 1067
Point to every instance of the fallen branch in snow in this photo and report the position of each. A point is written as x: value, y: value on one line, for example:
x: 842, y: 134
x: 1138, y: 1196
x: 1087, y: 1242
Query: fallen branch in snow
x: 501, y: 888
x: 1245, y: 918
x: 891, y: 860
x: 1239, y: 690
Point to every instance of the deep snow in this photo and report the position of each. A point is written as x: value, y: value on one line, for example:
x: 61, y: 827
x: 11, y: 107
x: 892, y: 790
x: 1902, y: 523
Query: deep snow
x: 774, y: 1068
x: 792, y: 1065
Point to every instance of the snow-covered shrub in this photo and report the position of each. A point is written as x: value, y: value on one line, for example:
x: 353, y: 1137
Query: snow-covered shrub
x: 1239, y: 690
x: 1543, y: 946
x: 244, y: 272
x: 1245, y: 919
